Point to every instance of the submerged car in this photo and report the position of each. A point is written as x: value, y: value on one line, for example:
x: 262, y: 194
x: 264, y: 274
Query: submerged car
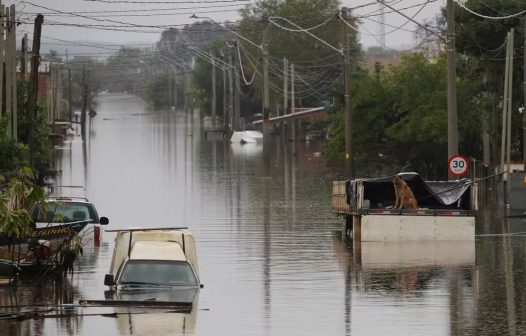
x: 153, y: 264
x: 60, y: 210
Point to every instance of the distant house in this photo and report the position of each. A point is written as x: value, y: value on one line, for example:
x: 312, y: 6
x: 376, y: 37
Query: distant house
x: 44, y: 78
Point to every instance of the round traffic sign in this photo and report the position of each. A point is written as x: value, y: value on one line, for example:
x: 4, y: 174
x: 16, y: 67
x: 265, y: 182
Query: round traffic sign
x: 458, y: 165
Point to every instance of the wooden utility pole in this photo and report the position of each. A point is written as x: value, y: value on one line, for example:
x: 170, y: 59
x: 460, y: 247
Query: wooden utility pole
x: 524, y: 102
x: 266, y: 98
x: 349, y: 157
x: 230, y: 91
x: 23, y: 58
x: 506, y: 102
x: 214, y: 95
x: 225, y: 100
x: 510, y: 104
x: 285, y: 85
x: 69, y: 97
x: 292, y: 122
x: 2, y: 58
x: 84, y: 103
x: 237, y: 99
x: 14, y: 108
x: 8, y: 73
x: 452, y: 123
x: 33, y: 83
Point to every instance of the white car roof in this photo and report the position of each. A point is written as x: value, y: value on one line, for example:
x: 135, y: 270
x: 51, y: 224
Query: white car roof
x: 157, y: 250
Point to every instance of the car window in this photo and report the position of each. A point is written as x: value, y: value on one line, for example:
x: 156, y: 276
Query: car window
x: 158, y: 272
x: 63, y: 212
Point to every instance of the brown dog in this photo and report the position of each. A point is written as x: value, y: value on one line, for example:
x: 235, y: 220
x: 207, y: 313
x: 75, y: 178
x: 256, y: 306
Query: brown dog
x: 404, y: 196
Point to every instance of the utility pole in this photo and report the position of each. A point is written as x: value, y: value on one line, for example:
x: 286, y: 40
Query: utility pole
x: 2, y: 59
x: 292, y: 108
x: 524, y: 102
x: 266, y: 99
x: 225, y: 100
x: 510, y: 104
x: 237, y: 87
x: 23, y: 58
x: 213, y: 89
x: 285, y: 88
x: 14, y: 110
x: 69, y: 97
x: 452, y: 123
x: 33, y: 83
x: 505, y: 107
x: 231, y: 91
x: 84, y: 103
x: 349, y: 157
x: 8, y: 74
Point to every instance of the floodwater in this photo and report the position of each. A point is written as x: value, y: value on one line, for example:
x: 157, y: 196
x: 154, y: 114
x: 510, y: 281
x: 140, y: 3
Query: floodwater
x: 270, y: 256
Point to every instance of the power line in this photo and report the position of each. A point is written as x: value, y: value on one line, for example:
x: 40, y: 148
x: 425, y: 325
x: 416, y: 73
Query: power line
x: 461, y: 4
x: 165, y: 2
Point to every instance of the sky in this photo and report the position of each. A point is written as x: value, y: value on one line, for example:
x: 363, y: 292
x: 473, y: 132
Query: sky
x: 178, y: 12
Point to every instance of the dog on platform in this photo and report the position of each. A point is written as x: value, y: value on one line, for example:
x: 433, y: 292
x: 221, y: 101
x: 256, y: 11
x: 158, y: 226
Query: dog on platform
x: 405, y: 199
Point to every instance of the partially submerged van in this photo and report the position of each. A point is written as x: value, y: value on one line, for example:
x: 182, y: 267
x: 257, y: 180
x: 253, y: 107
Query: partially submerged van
x: 153, y: 258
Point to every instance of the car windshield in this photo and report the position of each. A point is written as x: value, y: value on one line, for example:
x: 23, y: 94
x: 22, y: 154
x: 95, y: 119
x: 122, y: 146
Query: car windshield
x: 63, y: 212
x: 158, y: 272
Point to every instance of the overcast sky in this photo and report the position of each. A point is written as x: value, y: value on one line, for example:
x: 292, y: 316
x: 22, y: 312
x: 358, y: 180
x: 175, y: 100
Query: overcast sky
x: 176, y: 12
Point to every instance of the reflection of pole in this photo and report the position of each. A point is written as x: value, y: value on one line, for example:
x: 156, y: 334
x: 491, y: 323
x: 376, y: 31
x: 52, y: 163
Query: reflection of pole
x: 452, y: 127
x: 225, y: 100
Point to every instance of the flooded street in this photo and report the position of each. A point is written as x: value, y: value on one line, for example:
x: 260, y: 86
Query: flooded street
x: 270, y: 256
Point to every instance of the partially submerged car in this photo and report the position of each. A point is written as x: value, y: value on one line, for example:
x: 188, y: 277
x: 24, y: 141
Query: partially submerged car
x: 153, y: 264
x: 66, y: 210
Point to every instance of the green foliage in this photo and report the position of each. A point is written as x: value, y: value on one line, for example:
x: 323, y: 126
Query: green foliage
x: 15, y: 200
x: 156, y: 92
x: 402, y: 117
x: 482, y: 45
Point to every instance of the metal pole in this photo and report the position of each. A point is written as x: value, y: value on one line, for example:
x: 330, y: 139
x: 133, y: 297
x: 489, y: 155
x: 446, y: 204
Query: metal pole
x: 23, y: 58
x: 349, y: 157
x: 266, y: 99
x: 292, y: 107
x: 84, y: 103
x: 225, y: 100
x: 452, y: 127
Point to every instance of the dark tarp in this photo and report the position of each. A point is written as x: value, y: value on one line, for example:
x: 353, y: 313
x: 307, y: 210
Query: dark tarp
x: 429, y: 194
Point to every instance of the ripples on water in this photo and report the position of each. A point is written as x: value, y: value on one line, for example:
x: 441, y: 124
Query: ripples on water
x: 269, y: 253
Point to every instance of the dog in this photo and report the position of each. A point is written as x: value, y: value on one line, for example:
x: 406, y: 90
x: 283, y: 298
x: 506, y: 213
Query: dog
x: 405, y: 199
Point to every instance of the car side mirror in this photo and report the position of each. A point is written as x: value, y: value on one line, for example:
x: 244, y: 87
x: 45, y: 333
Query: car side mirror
x: 104, y: 221
x: 108, y: 280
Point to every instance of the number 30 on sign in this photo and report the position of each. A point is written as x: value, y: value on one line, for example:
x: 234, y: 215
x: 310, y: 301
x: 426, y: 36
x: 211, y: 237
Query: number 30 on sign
x: 458, y: 165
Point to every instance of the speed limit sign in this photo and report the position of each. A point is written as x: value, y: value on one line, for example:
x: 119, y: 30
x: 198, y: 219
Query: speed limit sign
x: 458, y: 165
